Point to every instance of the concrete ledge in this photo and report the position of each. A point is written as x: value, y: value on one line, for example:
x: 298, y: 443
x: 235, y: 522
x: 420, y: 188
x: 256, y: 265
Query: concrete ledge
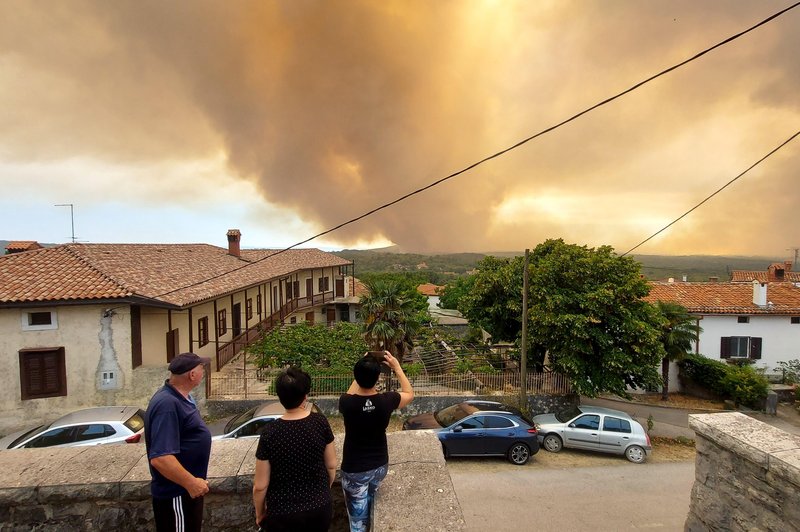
x: 108, y: 487
x: 747, y: 475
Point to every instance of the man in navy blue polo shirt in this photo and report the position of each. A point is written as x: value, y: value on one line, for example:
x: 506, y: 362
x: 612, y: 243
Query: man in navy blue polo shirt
x: 178, y: 447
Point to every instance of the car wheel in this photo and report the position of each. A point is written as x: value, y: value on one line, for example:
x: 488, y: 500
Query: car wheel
x: 552, y: 443
x: 635, y: 454
x: 519, y: 454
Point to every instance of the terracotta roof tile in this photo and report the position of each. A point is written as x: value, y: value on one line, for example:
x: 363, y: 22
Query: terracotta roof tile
x: 429, y: 289
x: 22, y: 245
x: 177, y: 274
x: 727, y: 298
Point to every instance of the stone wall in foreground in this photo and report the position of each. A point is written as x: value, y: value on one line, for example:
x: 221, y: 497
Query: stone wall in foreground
x: 108, y: 487
x: 747, y: 475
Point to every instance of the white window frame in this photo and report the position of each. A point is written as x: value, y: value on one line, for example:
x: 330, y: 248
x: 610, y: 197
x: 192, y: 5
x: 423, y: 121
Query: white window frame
x: 25, y: 320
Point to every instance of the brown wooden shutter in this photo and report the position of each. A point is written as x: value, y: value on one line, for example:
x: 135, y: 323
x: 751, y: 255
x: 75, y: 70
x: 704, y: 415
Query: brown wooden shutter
x: 725, y: 347
x: 755, y: 348
x: 42, y: 373
x: 173, y: 344
x: 136, y: 336
x: 339, y: 288
x: 309, y: 289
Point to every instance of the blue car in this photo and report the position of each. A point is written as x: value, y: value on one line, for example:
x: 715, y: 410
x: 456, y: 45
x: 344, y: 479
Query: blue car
x: 480, y: 428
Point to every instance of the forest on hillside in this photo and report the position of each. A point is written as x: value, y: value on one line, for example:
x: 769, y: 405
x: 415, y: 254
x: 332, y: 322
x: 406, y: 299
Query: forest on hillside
x: 440, y: 268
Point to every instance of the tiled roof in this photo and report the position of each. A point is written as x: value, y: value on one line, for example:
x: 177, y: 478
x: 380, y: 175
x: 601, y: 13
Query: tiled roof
x: 727, y: 298
x: 22, y: 245
x: 177, y: 274
x: 429, y: 289
x: 739, y: 276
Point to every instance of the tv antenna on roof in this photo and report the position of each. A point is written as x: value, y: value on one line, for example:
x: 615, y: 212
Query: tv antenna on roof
x: 71, y: 216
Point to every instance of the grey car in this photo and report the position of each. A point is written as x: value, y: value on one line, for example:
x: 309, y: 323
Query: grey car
x: 90, y: 426
x: 249, y: 424
x: 593, y: 428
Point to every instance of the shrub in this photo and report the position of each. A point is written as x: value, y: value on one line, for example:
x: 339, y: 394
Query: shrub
x: 739, y: 382
x: 745, y: 385
x: 790, y: 370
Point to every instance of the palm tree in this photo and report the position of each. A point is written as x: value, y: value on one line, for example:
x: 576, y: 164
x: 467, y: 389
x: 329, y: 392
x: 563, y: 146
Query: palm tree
x: 389, y: 317
x: 678, y: 330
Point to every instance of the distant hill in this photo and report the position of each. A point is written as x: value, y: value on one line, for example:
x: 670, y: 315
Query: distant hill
x: 437, y: 268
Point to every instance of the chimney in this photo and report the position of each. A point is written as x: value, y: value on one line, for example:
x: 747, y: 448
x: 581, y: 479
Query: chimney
x: 713, y: 279
x: 759, y: 293
x: 234, y: 235
x: 787, y: 265
x: 684, y: 278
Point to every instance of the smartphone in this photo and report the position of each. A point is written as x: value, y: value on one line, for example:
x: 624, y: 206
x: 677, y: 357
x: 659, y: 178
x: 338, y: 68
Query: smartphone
x: 379, y: 355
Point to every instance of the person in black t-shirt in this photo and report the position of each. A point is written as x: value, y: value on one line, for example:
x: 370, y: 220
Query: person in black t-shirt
x: 366, y: 414
x: 295, y: 463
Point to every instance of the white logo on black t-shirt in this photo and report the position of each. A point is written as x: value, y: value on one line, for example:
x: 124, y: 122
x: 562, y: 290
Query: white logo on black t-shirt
x: 368, y: 406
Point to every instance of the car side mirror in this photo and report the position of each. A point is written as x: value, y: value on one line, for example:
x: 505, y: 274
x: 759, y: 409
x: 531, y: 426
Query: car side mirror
x: 458, y: 428
x: 572, y: 425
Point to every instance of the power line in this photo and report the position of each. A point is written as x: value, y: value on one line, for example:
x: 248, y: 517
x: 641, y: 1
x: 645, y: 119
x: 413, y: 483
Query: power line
x: 501, y: 152
x: 720, y: 189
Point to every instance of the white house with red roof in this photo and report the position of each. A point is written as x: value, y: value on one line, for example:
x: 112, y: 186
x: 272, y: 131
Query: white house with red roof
x: 758, y: 321
x: 93, y: 324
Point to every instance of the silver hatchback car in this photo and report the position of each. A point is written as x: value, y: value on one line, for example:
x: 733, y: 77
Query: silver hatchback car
x: 249, y: 424
x: 90, y: 426
x: 593, y: 428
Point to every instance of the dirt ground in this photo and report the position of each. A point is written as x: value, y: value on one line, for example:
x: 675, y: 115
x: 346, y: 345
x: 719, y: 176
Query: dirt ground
x: 679, y: 400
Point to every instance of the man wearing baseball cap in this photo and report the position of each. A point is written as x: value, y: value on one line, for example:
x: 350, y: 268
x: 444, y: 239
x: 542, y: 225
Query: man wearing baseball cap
x: 178, y: 447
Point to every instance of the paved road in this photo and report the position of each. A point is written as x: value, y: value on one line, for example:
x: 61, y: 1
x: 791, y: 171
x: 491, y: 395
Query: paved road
x: 668, y: 422
x: 605, y: 498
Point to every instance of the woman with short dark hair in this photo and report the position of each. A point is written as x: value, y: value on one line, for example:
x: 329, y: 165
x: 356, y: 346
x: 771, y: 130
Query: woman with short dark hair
x: 295, y: 463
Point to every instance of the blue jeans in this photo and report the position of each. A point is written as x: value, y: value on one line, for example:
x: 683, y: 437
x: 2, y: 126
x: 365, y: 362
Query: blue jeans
x: 359, y: 492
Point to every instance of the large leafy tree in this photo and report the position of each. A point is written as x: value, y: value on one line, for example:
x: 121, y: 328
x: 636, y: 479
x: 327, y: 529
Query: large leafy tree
x: 587, y: 309
x: 678, y: 330
x: 391, y: 313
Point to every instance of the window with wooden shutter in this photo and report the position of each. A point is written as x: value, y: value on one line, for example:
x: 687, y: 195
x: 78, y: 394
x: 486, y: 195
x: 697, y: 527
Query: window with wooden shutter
x: 222, y: 322
x: 248, y: 308
x: 202, y: 331
x: 725, y: 347
x: 755, y: 348
x: 288, y: 290
x: 43, y: 373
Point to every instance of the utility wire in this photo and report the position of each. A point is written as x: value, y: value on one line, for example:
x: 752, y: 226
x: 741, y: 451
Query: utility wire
x: 502, y: 152
x: 720, y: 189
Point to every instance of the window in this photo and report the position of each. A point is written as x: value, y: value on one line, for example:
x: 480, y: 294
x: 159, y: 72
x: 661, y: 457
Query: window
x: 475, y: 422
x: 795, y: 320
x: 288, y: 290
x: 58, y: 436
x: 498, y: 422
x: 42, y: 372
x: 92, y: 432
x: 258, y: 304
x: 293, y: 320
x: 252, y: 429
x: 743, y: 319
x: 591, y: 422
x: 740, y: 347
x: 222, y: 322
x: 248, y: 308
x: 40, y: 320
x: 615, y: 424
x: 202, y: 331
x: 296, y: 290
x: 324, y: 284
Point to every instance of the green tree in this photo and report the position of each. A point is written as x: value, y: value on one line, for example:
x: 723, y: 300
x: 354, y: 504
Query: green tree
x: 391, y: 313
x: 587, y: 310
x: 492, y: 298
x: 318, y: 349
x: 678, y: 330
x: 455, y: 291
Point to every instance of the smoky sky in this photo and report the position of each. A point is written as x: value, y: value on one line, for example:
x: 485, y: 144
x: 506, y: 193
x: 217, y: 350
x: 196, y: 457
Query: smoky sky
x: 333, y: 108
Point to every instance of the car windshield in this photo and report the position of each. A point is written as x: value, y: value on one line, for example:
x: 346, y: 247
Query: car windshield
x: 28, y: 434
x: 452, y: 414
x: 240, y: 420
x: 568, y: 413
x: 136, y: 421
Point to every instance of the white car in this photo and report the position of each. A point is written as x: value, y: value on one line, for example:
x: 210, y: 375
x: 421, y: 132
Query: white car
x: 90, y: 426
x: 250, y: 423
x: 593, y: 428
